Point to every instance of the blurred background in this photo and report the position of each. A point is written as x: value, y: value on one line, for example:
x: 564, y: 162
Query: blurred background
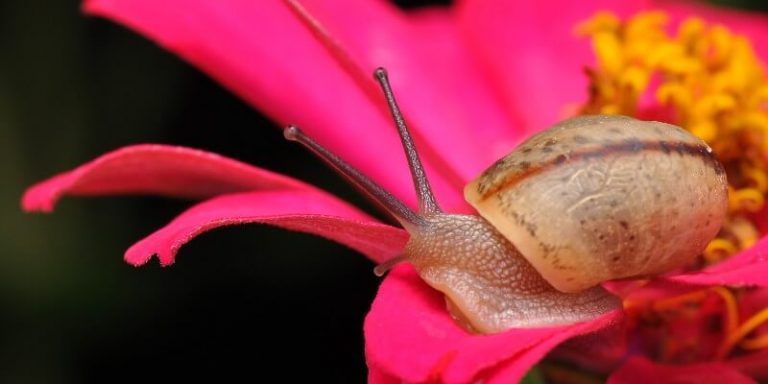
x: 240, y: 301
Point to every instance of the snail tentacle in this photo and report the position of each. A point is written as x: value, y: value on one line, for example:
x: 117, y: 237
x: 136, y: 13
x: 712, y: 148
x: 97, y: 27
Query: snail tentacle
x: 392, y: 205
x: 427, y: 202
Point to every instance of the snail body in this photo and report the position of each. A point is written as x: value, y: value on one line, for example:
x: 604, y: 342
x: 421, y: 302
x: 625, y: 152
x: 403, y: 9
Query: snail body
x: 592, y: 199
x: 488, y: 285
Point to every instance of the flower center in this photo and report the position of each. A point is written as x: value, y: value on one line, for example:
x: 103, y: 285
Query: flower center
x: 709, y: 81
x: 707, y: 324
x: 703, y: 78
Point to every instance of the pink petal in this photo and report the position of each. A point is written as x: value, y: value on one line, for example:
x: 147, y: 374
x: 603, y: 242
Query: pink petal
x: 531, y: 52
x: 448, y: 100
x: 514, y: 369
x: 377, y: 376
x: 753, y: 364
x: 263, y: 52
x: 656, y: 290
x: 599, y: 351
x: 302, y: 210
x: 641, y: 371
x: 410, y: 335
x: 748, y: 268
x: 156, y: 169
x: 752, y: 24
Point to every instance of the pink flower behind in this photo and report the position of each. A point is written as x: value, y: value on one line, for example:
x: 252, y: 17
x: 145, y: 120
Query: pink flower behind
x: 472, y: 80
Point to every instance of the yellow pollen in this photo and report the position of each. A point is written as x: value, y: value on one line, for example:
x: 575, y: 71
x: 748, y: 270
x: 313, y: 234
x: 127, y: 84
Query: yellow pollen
x: 703, y: 78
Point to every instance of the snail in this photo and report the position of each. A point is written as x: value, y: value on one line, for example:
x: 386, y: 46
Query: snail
x: 589, y: 200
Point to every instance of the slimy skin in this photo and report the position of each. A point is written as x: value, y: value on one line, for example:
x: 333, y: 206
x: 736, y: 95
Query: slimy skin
x: 489, y: 286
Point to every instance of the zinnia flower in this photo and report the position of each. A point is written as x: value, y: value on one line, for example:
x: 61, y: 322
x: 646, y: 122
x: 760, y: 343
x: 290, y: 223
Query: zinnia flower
x: 473, y: 81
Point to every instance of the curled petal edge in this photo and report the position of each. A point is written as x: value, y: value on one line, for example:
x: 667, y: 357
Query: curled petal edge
x: 157, y: 170
x: 300, y: 210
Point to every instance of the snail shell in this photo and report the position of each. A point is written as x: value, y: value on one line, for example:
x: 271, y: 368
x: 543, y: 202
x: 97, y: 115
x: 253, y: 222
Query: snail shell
x: 598, y: 198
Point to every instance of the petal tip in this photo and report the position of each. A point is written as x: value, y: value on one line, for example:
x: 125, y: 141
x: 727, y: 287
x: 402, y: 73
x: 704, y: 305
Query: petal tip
x: 166, y: 261
x: 39, y: 198
x: 139, y: 255
x: 136, y: 259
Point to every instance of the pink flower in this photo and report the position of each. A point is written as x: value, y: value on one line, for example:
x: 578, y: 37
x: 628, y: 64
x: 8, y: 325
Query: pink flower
x: 473, y: 80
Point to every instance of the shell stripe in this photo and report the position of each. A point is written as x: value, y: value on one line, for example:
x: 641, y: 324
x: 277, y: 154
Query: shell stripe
x: 626, y: 147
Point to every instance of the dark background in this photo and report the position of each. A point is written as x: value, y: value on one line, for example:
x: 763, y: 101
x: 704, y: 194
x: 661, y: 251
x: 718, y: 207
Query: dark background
x: 241, y: 301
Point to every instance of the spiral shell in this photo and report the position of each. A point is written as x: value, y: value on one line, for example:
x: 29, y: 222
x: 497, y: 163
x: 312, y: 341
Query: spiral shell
x: 598, y: 198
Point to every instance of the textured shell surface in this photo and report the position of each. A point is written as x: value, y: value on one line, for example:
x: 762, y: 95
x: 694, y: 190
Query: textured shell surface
x: 597, y: 198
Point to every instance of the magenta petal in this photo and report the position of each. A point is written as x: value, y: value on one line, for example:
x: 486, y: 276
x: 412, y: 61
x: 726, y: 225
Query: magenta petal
x: 531, y: 52
x: 299, y: 210
x: 264, y: 53
x: 749, y: 267
x: 639, y: 370
x: 513, y: 369
x: 377, y: 376
x: 159, y: 170
x: 450, y: 104
x: 753, y: 364
x: 410, y: 335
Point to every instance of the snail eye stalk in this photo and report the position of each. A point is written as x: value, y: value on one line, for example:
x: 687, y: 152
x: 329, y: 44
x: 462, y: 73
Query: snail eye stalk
x: 407, y: 217
x: 392, y: 205
x: 427, y: 202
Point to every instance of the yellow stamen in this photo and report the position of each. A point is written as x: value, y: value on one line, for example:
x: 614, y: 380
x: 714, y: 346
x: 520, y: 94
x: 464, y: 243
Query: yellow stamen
x: 743, y: 231
x: 731, y: 310
x: 600, y: 22
x: 693, y: 307
x: 712, y: 83
x: 607, y: 46
x: 675, y: 302
x: 747, y: 199
x: 719, y: 249
x: 748, y: 326
x: 759, y: 342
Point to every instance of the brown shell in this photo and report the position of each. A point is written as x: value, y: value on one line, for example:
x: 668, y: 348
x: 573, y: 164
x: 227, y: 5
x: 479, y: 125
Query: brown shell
x: 597, y: 198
